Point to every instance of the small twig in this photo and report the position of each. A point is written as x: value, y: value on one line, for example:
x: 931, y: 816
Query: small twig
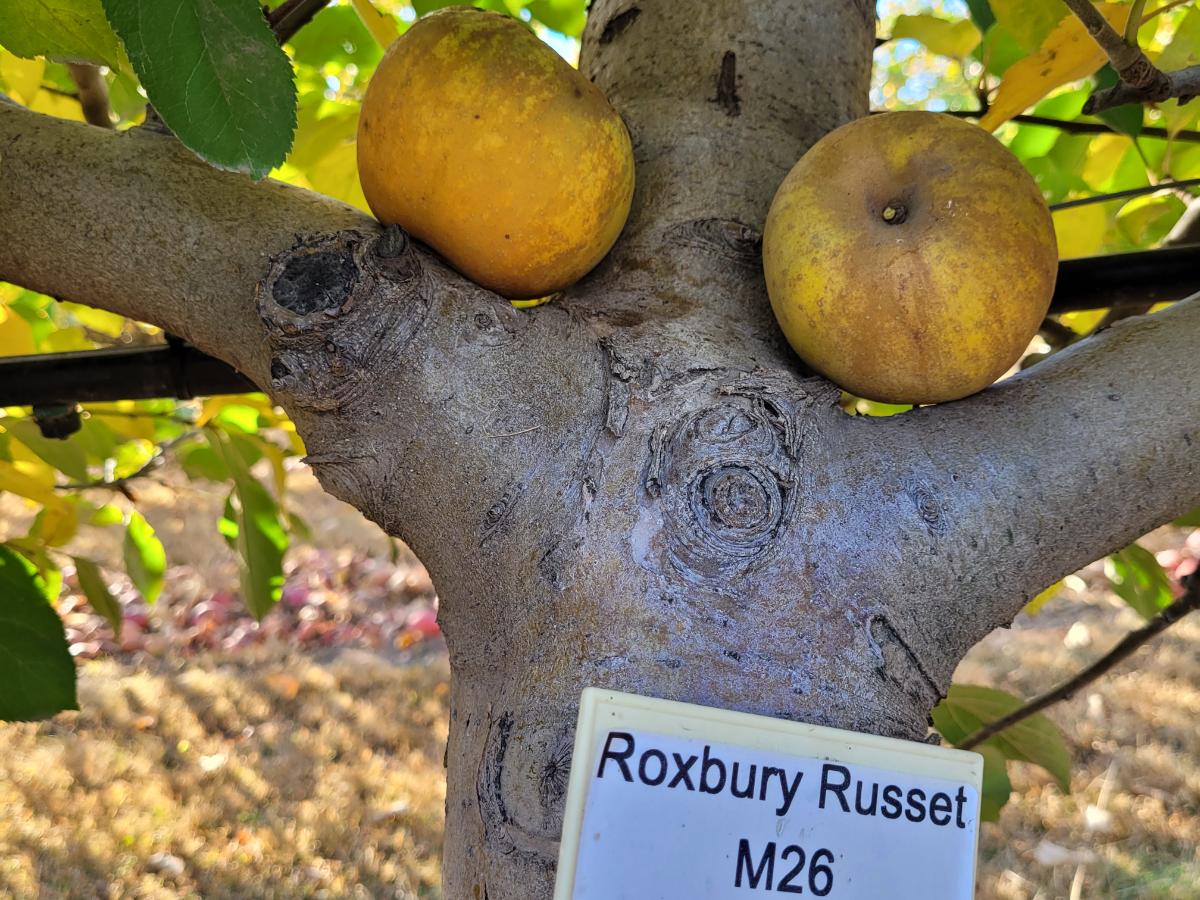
x: 121, y: 484
x: 93, y: 94
x: 292, y: 15
x: 1120, y: 195
x: 1189, y: 602
x: 1071, y: 127
x: 1187, y: 229
x: 1056, y: 334
x: 1134, y: 22
x: 1131, y: 63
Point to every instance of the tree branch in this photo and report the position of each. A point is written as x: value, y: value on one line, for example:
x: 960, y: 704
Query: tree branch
x: 292, y: 15
x: 132, y: 223
x: 1076, y: 127
x: 122, y: 484
x: 1183, y: 83
x: 1014, y: 487
x: 1131, y: 63
x: 1187, y: 229
x: 93, y: 94
x: 1121, y: 195
x: 1126, y: 647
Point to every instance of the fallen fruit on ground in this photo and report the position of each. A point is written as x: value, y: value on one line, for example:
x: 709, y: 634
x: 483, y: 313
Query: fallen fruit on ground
x: 481, y: 141
x: 909, y: 257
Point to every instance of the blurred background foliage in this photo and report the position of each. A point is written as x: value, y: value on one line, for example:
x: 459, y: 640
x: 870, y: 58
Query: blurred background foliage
x: 993, y: 59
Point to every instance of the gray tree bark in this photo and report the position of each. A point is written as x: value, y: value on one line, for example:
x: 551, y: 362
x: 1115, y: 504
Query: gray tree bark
x: 637, y: 486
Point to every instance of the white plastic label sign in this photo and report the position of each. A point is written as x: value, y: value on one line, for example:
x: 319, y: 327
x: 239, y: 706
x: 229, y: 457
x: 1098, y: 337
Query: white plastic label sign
x: 669, y: 801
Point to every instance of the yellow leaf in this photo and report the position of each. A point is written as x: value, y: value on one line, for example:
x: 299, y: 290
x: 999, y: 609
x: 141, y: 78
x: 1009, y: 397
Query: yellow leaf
x: 16, y: 337
x: 1067, y: 54
x: 57, y: 105
x: 58, y: 524
x: 941, y: 36
x: 1080, y: 230
x: 16, y: 481
x: 22, y: 78
x: 98, y: 320
x: 529, y: 304
x: 382, y: 28
x: 1104, y: 154
x: 1034, y: 606
x: 1084, y: 321
x: 65, y: 340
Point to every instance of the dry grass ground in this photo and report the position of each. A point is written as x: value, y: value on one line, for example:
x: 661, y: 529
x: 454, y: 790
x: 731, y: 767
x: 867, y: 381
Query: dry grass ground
x: 270, y: 774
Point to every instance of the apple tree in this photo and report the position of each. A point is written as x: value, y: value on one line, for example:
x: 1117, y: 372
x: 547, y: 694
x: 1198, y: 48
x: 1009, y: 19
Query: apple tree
x: 636, y: 485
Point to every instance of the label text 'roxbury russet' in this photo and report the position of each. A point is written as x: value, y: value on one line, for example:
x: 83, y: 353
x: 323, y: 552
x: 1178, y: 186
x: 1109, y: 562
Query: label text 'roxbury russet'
x: 710, y: 773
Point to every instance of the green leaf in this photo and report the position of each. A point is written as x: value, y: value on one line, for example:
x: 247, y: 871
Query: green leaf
x: 199, y: 460
x: 1145, y: 220
x: 252, y: 525
x: 981, y: 13
x: 216, y: 75
x: 1188, y: 520
x: 37, y: 674
x: 1032, y: 141
x: 261, y: 542
x: 239, y: 417
x: 66, y: 456
x: 145, y: 559
x: 1000, y: 50
x: 564, y: 16
x: 336, y: 34
x: 956, y: 39
x: 63, y: 30
x: 94, y: 587
x: 996, y: 786
x: 1184, y: 48
x: 106, y: 515
x: 1126, y: 119
x: 969, y: 707
x: 1138, y: 579
x: 1029, y: 21
x: 421, y: 7
x: 298, y: 526
x: 227, y: 525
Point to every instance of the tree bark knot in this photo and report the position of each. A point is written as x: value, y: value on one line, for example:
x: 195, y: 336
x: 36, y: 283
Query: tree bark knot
x: 338, y: 309
x: 521, y: 787
x: 725, y: 481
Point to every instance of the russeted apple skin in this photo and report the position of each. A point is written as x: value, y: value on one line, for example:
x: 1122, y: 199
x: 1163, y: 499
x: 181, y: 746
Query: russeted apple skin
x: 909, y: 257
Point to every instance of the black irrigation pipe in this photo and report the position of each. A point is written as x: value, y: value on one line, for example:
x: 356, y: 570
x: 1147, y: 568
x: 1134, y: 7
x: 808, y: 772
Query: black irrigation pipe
x: 180, y: 370
x: 134, y: 373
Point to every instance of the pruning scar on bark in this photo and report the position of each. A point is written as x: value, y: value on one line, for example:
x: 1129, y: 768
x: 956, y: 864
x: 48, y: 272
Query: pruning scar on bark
x: 727, y: 95
x: 618, y: 23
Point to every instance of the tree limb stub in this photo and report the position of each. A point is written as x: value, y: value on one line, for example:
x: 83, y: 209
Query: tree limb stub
x: 1183, y: 84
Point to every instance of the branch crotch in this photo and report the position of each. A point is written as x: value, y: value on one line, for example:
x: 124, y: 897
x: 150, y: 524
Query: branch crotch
x: 339, y: 312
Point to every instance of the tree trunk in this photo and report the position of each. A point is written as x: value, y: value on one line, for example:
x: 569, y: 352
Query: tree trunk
x: 637, y: 486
